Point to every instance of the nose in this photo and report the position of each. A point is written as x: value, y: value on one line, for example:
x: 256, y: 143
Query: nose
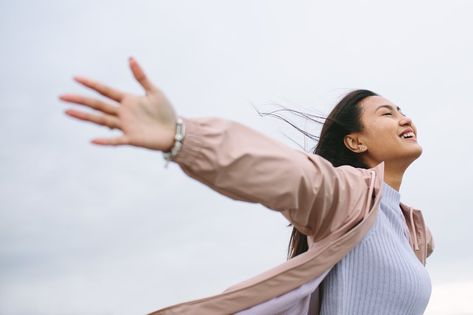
x: 405, y: 121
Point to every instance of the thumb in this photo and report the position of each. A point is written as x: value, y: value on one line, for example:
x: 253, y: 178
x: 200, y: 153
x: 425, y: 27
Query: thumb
x: 140, y: 76
x: 120, y: 140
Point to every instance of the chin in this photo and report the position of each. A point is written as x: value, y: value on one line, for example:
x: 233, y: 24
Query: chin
x: 415, y: 153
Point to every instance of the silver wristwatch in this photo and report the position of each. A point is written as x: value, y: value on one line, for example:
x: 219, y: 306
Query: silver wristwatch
x: 178, y: 138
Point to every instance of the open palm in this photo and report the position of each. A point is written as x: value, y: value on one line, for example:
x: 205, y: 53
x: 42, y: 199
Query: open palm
x: 146, y: 121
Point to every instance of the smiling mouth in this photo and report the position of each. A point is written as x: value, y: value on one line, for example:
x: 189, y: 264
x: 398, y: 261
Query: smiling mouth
x: 408, y: 135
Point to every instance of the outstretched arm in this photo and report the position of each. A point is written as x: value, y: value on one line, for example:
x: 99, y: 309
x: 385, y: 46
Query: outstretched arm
x: 233, y: 159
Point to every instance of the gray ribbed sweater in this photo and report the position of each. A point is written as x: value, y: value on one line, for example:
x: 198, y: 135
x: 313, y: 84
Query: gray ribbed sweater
x: 381, y: 275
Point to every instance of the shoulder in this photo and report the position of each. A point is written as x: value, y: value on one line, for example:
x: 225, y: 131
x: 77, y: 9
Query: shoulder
x: 342, y: 195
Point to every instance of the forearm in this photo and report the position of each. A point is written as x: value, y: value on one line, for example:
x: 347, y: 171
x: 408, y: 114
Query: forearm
x: 244, y: 164
x: 240, y: 162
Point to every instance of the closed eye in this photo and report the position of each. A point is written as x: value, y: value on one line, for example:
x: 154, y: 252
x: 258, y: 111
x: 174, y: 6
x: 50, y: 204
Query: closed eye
x: 387, y: 114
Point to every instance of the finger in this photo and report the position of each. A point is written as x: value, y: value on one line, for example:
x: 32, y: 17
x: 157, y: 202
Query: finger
x: 90, y: 102
x: 103, y: 89
x: 103, y: 120
x: 140, y: 76
x: 111, y: 141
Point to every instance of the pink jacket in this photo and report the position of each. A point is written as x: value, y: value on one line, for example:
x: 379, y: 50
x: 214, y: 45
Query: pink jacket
x: 333, y: 206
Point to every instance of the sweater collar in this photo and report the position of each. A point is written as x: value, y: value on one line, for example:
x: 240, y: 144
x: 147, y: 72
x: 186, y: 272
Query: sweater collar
x: 391, y: 195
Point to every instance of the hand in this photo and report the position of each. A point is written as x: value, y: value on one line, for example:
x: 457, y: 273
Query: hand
x: 147, y: 121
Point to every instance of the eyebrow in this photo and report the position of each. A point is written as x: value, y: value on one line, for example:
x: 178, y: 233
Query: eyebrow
x: 389, y: 107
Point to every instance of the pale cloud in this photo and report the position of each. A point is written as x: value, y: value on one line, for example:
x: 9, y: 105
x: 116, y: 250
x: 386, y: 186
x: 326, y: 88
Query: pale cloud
x: 128, y: 236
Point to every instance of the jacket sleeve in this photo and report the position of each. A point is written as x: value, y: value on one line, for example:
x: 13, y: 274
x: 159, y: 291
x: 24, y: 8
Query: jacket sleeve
x: 244, y: 164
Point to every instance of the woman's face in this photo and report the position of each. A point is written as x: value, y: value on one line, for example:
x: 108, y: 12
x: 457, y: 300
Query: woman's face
x: 388, y: 135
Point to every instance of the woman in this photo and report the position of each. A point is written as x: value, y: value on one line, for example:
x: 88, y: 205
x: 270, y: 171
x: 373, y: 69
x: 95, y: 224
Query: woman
x: 355, y: 248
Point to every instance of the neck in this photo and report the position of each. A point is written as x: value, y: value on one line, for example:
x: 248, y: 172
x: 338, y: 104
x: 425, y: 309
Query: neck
x: 393, y: 172
x: 393, y: 175
x: 393, y: 179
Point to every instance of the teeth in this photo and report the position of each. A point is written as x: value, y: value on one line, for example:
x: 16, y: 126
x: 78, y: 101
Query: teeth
x: 408, y: 135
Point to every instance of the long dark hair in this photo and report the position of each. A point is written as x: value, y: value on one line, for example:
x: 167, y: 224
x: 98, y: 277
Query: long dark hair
x: 344, y: 119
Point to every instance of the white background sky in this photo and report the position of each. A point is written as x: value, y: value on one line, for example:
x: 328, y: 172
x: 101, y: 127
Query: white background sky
x: 91, y: 230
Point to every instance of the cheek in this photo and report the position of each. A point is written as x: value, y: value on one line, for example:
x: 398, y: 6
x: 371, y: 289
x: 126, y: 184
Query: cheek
x: 376, y: 135
x: 381, y: 141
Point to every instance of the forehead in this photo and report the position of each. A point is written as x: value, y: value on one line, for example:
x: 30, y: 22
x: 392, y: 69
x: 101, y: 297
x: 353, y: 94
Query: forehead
x: 372, y: 103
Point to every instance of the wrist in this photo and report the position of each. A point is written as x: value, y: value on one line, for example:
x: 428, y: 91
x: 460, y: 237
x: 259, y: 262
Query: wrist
x: 179, y: 135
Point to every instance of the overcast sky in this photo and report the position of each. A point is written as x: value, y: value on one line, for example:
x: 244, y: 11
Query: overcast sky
x: 93, y: 230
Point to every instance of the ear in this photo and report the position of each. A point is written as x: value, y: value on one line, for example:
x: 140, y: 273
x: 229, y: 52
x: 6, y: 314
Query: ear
x: 353, y: 143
